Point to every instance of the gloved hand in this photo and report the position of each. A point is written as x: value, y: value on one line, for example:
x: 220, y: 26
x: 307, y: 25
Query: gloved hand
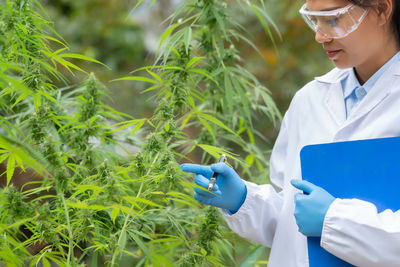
x: 311, y: 207
x: 229, y: 192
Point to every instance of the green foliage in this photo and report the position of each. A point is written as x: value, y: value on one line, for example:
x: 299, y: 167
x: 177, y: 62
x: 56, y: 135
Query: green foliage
x: 104, y: 30
x: 297, y: 58
x: 95, y: 201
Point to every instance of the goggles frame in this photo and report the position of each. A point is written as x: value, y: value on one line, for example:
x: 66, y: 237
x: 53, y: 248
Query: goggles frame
x: 331, y: 13
x: 304, y: 11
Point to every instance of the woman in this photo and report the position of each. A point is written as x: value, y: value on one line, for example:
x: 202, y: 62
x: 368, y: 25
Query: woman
x: 359, y: 99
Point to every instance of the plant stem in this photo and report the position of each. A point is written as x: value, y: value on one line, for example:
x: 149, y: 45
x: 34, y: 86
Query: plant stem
x: 119, y: 239
x: 70, y: 237
x: 128, y: 215
x: 148, y: 172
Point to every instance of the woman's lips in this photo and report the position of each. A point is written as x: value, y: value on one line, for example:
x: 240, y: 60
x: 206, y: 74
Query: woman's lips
x: 332, y: 53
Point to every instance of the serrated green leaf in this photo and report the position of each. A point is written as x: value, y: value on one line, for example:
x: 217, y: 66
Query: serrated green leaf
x: 188, y: 38
x: 155, y: 75
x: 114, y: 213
x: 216, y: 152
x: 204, y: 73
x: 22, y: 153
x: 245, y: 104
x: 215, y: 121
x: 127, y: 124
x: 135, y: 200
x: 49, y: 97
x: 78, y: 205
x: 250, y: 159
x: 140, y: 243
x: 193, y: 61
x: 96, y: 207
x: 228, y: 92
x: 138, y: 4
x: 82, y: 57
x: 122, y: 239
x: 20, y: 98
x: 221, y: 23
x: 3, y: 157
x: 166, y: 35
x: 45, y: 262
x: 208, y: 127
x: 251, y: 137
x: 150, y: 89
x: 167, y: 127
x: 258, y: 12
x: 10, y: 168
x: 138, y: 126
x: 136, y: 78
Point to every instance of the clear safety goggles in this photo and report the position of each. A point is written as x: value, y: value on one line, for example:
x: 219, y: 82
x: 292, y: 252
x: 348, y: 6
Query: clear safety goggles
x: 336, y: 23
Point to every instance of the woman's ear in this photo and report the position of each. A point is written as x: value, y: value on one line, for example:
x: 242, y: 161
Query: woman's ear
x: 384, y: 9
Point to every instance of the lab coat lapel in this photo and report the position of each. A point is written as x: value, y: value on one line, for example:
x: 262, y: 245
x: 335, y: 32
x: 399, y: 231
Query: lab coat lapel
x: 382, y: 89
x: 335, y: 103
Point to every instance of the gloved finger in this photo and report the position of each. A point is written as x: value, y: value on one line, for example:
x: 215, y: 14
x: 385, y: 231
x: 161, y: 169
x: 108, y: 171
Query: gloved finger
x: 203, y: 199
x: 205, y: 192
x: 298, y: 197
x: 199, y: 198
x: 223, y: 169
x: 203, y: 182
x: 196, y: 168
x: 213, y: 201
x: 306, y: 186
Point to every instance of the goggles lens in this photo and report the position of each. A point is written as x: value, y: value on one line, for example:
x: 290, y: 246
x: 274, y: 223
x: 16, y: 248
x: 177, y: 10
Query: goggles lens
x: 336, y: 23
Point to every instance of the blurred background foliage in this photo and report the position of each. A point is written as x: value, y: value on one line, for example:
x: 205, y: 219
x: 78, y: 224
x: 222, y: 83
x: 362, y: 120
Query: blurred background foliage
x: 126, y: 39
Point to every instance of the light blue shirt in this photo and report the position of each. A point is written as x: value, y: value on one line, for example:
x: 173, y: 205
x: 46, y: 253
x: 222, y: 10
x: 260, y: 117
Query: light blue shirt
x: 354, y: 93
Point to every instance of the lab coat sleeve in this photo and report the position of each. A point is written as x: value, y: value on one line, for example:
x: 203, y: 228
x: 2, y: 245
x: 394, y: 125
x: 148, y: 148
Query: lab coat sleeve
x: 257, y: 218
x: 355, y: 232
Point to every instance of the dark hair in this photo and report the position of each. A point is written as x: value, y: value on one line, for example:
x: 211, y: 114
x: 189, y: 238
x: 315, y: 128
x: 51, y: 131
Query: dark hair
x: 395, y: 13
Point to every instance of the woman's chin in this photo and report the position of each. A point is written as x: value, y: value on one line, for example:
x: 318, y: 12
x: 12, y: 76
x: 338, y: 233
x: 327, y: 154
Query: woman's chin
x: 341, y: 65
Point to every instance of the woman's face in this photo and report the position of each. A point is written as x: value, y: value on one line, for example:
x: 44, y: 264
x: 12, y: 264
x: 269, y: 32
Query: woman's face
x: 359, y: 47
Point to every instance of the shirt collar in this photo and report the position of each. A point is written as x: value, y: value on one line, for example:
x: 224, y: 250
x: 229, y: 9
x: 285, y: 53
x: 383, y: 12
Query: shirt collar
x: 350, y: 82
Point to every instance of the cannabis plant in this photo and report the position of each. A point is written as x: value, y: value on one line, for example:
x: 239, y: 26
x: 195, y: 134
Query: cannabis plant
x: 86, y: 183
x: 204, y: 91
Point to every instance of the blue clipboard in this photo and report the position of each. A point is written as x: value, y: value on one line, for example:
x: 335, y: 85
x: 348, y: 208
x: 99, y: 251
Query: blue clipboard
x: 366, y: 169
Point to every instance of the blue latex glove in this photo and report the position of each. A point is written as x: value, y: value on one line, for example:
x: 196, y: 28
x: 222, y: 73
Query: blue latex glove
x: 229, y: 192
x: 311, y: 207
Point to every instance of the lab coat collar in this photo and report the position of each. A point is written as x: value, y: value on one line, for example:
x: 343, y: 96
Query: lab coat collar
x: 383, y: 87
x: 336, y: 74
x: 335, y: 101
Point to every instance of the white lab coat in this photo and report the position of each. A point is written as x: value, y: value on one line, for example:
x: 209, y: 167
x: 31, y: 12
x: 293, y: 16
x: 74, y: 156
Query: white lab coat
x: 353, y: 230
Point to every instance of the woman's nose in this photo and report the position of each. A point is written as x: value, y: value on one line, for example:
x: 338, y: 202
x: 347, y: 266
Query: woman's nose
x: 321, y: 38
